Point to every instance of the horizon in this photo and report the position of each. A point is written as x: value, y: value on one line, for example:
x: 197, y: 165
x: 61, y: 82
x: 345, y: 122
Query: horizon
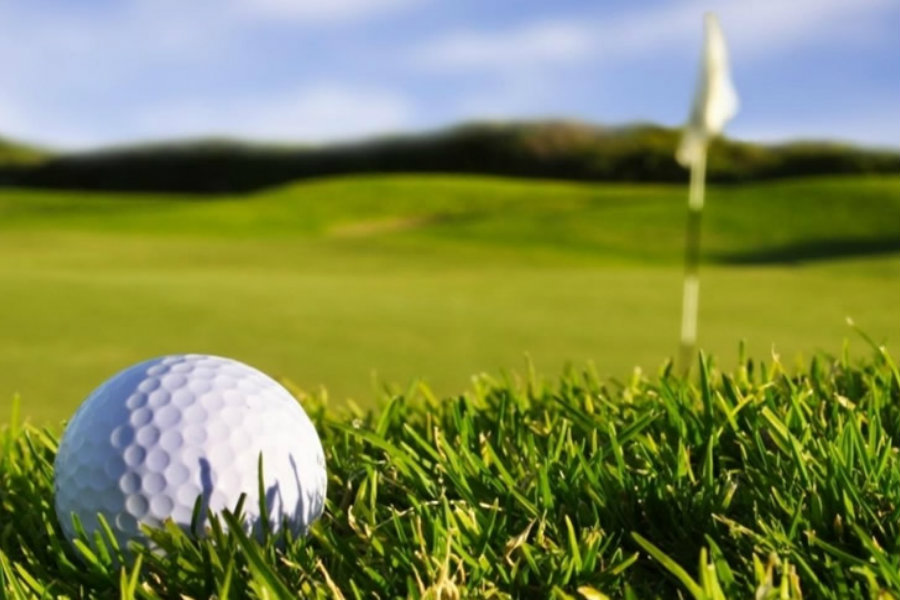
x: 107, y: 73
x: 435, y: 132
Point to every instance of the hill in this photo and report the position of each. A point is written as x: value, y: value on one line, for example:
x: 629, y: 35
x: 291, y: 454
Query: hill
x: 18, y: 155
x: 330, y: 284
x: 558, y: 150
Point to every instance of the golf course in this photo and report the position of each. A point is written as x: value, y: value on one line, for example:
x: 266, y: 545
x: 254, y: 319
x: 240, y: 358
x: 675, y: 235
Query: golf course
x: 488, y: 363
x: 358, y: 284
x: 383, y: 299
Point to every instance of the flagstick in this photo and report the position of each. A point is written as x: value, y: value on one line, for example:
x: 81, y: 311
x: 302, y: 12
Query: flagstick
x: 690, y: 299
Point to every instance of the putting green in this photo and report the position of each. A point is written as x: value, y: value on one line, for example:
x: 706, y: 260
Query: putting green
x: 350, y: 283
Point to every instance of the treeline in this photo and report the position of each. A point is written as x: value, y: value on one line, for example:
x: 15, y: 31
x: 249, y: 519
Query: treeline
x: 548, y: 150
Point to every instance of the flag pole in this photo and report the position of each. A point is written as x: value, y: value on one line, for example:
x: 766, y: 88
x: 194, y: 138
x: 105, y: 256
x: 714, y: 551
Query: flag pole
x: 691, y: 293
x: 715, y: 102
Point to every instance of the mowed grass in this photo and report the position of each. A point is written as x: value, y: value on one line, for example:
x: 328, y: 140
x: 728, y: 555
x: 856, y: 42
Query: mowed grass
x: 763, y: 482
x: 350, y: 283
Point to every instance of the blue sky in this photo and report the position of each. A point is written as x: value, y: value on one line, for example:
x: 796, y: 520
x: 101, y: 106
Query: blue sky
x: 88, y: 73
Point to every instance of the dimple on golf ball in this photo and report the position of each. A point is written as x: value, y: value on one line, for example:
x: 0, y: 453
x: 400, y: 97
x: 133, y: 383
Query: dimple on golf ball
x: 152, y: 439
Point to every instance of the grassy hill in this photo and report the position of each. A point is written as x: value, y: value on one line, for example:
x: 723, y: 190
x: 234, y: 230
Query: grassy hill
x: 328, y: 283
x: 15, y: 155
x: 801, y: 218
x: 560, y: 150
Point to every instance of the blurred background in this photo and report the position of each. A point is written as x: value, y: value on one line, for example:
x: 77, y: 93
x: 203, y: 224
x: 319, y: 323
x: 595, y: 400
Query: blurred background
x: 358, y: 194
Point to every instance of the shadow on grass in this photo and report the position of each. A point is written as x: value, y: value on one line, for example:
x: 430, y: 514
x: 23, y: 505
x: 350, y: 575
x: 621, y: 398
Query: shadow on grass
x: 812, y: 250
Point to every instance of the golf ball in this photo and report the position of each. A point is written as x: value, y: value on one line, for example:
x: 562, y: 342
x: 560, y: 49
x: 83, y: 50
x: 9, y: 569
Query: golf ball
x: 152, y: 439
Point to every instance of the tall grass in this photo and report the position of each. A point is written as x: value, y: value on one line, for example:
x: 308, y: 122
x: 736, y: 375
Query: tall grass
x: 762, y: 482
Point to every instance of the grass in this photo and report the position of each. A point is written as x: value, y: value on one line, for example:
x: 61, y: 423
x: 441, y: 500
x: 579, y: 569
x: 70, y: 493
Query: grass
x: 774, y: 478
x: 538, y: 217
x: 764, y: 481
x: 350, y: 282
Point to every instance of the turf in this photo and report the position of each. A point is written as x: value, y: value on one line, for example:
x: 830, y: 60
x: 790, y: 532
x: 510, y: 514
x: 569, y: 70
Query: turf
x: 350, y: 282
x: 765, y: 481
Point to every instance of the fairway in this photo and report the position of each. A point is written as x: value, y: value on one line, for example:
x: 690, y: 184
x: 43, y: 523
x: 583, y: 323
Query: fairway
x: 348, y: 284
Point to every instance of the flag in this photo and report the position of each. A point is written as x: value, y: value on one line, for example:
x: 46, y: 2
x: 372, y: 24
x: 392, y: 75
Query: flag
x: 715, y: 101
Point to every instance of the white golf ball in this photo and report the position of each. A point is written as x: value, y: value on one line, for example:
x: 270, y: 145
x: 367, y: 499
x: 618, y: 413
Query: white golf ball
x: 157, y: 436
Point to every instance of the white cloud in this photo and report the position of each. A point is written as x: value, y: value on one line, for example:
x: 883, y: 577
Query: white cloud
x: 533, y: 65
x: 770, y: 27
x: 755, y: 29
x: 72, y: 77
x: 310, y: 114
x: 543, y: 42
x: 517, y: 95
x: 84, y: 75
x: 22, y: 121
x: 320, y: 11
x: 316, y: 113
x: 876, y: 126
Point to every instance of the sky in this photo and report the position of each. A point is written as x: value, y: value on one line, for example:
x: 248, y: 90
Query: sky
x: 77, y: 74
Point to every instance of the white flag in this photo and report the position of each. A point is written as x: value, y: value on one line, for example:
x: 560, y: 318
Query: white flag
x: 715, y: 101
